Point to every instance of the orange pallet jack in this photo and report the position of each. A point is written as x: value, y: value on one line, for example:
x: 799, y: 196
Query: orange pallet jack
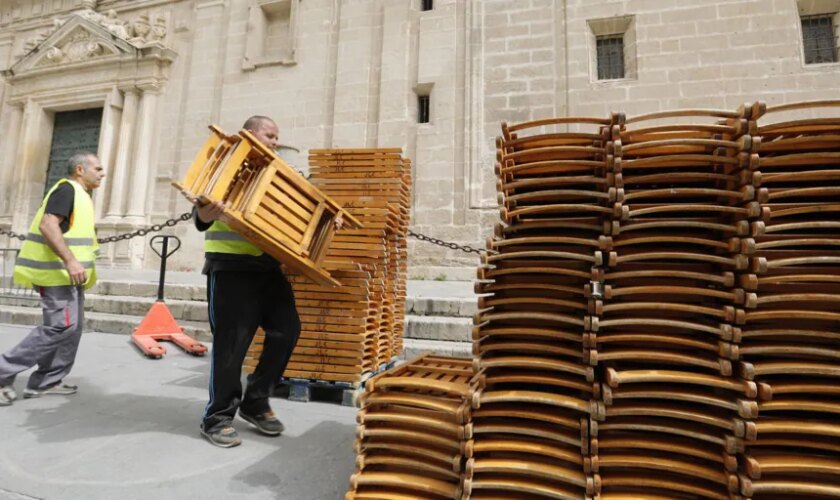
x: 159, y: 323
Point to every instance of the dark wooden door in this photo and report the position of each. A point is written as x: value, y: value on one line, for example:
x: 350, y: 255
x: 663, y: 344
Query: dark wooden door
x: 73, y: 131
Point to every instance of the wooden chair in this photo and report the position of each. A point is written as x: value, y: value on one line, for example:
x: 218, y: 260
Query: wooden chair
x: 498, y: 446
x: 529, y: 468
x: 538, y: 363
x: 615, y: 379
x: 671, y: 486
x: 528, y: 429
x: 532, y: 488
x: 269, y: 203
x: 667, y: 445
x: 744, y: 408
x: 645, y: 464
x: 421, y: 485
x: 670, y: 427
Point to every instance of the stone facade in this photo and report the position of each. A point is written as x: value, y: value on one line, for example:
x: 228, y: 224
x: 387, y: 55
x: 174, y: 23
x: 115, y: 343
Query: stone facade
x: 347, y: 73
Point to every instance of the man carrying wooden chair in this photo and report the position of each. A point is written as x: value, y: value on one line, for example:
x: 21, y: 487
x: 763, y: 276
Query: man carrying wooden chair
x: 246, y: 289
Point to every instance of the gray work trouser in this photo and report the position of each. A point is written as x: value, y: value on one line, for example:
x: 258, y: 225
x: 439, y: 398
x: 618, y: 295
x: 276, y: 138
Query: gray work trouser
x: 53, y: 345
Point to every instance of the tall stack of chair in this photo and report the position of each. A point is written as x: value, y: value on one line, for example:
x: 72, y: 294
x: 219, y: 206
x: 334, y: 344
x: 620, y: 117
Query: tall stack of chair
x: 666, y: 332
x: 267, y: 201
x: 375, y: 186
x: 531, y: 422
x: 412, y: 430
x: 791, y: 336
x: 352, y: 331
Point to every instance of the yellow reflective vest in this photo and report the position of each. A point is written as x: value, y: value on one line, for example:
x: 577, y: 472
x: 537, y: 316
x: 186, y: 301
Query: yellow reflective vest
x: 220, y: 238
x: 38, y: 265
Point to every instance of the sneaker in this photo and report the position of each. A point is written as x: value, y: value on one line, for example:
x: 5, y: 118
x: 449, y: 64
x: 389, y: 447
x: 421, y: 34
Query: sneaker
x: 56, y: 390
x: 224, y: 437
x: 7, y: 395
x: 8, y: 392
x: 265, y: 422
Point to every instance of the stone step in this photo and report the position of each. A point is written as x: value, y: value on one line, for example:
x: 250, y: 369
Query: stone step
x: 438, y: 328
x: 121, y: 316
x: 174, y: 291
x: 461, y: 307
x: 413, y: 347
x: 99, y: 322
x: 107, y: 296
x: 182, y: 310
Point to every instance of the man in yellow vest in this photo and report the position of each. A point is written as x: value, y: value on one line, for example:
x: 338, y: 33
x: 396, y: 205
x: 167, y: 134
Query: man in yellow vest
x: 246, y: 289
x: 57, y: 258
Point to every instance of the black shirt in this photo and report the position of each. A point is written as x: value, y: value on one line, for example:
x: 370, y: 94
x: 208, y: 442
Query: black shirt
x: 214, y: 261
x: 60, y: 203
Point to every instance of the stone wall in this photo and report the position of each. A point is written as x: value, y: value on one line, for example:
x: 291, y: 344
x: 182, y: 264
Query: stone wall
x: 347, y: 73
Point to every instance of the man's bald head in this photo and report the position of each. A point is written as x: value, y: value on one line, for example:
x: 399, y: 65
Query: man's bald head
x: 264, y: 129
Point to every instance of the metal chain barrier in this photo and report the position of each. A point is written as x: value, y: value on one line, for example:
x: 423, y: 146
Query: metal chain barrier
x: 11, y: 234
x: 154, y: 228
x: 447, y: 244
x: 188, y: 215
x: 120, y: 237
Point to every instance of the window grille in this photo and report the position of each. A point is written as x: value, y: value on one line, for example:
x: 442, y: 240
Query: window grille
x: 818, y: 39
x: 610, y: 53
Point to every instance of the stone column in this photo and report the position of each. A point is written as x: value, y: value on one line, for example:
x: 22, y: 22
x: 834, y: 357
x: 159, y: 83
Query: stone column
x: 13, y: 128
x: 111, y: 114
x: 122, y: 164
x: 141, y: 167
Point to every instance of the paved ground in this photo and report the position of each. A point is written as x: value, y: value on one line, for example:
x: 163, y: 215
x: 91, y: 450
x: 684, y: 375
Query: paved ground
x: 132, y: 433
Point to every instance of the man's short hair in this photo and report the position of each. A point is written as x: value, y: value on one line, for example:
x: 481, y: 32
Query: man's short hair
x: 79, y: 158
x: 256, y: 122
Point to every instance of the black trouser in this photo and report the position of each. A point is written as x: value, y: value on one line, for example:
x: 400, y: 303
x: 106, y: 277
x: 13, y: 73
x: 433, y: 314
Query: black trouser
x: 239, y: 302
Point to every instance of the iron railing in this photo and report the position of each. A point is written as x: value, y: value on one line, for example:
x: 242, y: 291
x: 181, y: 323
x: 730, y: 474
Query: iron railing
x: 8, y: 288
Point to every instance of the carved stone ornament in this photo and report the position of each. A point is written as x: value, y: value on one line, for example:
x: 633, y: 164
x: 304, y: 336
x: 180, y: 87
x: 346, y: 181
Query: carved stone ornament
x: 116, y: 26
x: 54, y: 55
x: 158, y: 32
x: 139, y: 32
x: 141, y: 28
x: 79, y: 46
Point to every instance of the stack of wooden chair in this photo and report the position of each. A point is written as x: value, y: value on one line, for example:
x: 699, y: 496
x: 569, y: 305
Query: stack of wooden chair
x: 791, y: 335
x: 659, y: 317
x: 355, y: 330
x: 268, y: 202
x: 531, y: 423
x: 665, y: 334
x: 412, y: 431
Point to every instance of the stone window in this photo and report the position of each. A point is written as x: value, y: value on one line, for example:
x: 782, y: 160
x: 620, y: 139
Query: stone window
x: 818, y: 39
x: 271, y: 34
x: 610, y: 56
x: 427, y: 5
x: 423, y: 102
x: 819, y: 20
x: 612, y: 45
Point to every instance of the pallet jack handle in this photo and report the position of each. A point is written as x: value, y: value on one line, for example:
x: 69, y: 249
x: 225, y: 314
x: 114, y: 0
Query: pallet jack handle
x: 164, y: 254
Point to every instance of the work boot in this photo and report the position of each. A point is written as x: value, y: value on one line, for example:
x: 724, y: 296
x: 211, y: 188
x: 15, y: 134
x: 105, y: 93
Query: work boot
x: 223, y: 437
x: 7, y: 395
x: 265, y: 422
x: 61, y: 389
